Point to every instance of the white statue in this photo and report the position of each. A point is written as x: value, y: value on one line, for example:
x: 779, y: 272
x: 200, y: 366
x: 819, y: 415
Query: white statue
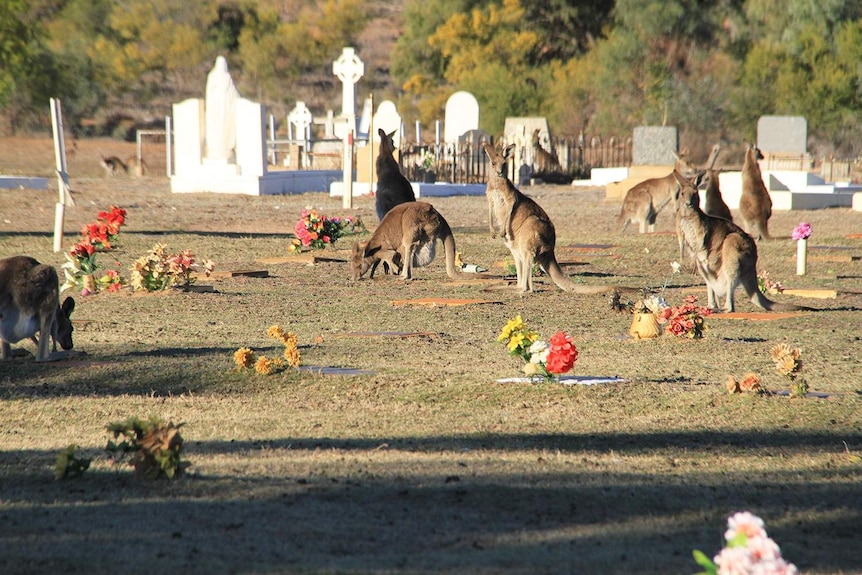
x: 220, y: 112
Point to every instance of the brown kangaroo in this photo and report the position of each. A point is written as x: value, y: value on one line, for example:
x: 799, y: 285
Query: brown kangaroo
x: 713, y: 203
x: 526, y: 229
x: 113, y: 165
x: 139, y: 169
x: 392, y: 187
x: 543, y: 161
x: 724, y: 255
x: 29, y: 304
x: 645, y: 200
x: 755, y: 205
x: 406, y: 238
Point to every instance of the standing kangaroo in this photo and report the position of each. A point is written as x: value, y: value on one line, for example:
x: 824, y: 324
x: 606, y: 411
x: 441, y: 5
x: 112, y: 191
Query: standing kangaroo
x: 713, y: 203
x: 526, y: 229
x: 29, y: 304
x: 755, y: 205
x: 392, y: 187
x: 406, y: 238
x: 724, y: 255
x: 645, y: 200
x: 543, y: 161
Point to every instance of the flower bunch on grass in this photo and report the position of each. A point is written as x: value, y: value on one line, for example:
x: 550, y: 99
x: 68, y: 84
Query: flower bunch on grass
x: 766, y: 285
x: 317, y: 231
x: 750, y: 383
x: 685, y: 320
x: 160, y: 270
x: 546, y: 359
x: 788, y: 363
x: 749, y: 550
x: 245, y: 357
x: 104, y: 231
x: 81, y: 258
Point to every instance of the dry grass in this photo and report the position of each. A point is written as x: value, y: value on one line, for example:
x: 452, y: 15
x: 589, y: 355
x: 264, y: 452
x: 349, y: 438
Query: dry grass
x: 425, y: 465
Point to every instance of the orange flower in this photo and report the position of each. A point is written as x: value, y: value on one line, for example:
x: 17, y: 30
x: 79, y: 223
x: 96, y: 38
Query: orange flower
x: 750, y: 382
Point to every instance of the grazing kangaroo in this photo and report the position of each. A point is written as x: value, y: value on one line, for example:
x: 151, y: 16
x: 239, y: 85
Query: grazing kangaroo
x: 543, y: 161
x: 29, y: 304
x: 725, y: 256
x: 113, y: 165
x: 755, y: 205
x: 406, y: 238
x: 392, y: 187
x: 645, y: 200
x: 526, y: 229
x: 713, y: 203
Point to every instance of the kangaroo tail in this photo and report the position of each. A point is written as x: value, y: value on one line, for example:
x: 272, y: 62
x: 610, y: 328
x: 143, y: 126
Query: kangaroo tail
x: 549, y: 263
x: 449, y: 248
x: 757, y: 298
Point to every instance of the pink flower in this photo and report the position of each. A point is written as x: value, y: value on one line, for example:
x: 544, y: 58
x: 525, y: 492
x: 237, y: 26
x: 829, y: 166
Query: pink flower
x: 763, y: 549
x: 745, y: 523
x: 802, y: 231
x: 775, y: 567
x: 733, y: 561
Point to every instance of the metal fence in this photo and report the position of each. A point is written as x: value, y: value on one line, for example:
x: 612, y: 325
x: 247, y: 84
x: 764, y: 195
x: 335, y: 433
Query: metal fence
x: 466, y: 162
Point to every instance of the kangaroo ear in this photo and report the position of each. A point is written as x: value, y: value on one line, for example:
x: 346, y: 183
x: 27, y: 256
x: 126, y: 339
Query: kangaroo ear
x: 68, y: 306
x: 381, y: 133
x: 488, y: 149
x: 391, y: 134
x: 698, y: 179
x: 507, y: 153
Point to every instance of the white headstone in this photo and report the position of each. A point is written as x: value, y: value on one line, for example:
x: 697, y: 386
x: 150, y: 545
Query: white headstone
x: 300, y: 118
x: 462, y: 114
x: 221, y: 98
x: 251, y: 139
x: 388, y: 119
x: 349, y: 69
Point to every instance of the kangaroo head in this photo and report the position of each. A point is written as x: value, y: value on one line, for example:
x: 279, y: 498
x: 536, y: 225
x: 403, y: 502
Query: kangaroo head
x: 359, y: 265
x: 498, y: 160
x: 686, y: 196
x: 754, y: 153
x: 387, y: 142
x: 63, y: 328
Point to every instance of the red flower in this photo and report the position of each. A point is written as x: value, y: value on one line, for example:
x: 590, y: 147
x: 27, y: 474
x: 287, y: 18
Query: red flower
x: 562, y: 354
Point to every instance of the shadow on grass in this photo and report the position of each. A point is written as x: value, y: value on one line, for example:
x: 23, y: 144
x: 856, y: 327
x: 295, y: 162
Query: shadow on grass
x: 439, y: 516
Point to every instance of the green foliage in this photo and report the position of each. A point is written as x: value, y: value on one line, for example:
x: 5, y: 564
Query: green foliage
x: 152, y: 446
x: 69, y: 464
x: 709, y: 568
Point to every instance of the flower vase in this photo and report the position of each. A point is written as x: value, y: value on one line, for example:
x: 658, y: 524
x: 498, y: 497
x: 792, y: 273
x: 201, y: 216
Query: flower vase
x: 801, y: 256
x: 644, y: 326
x: 88, y: 282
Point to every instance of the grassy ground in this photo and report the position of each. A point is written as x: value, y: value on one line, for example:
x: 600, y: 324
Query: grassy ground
x: 424, y: 464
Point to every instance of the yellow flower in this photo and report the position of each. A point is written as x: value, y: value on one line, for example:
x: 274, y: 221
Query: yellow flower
x: 785, y: 365
x: 291, y: 355
x: 264, y: 366
x: 275, y: 332
x: 731, y: 385
x: 530, y: 368
x: 512, y: 326
x: 243, y: 357
x: 289, y: 339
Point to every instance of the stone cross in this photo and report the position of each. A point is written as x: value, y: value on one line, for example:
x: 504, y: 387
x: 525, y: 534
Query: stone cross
x: 349, y: 69
x: 300, y: 118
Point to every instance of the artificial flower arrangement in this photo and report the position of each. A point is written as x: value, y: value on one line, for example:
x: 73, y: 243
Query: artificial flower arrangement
x: 245, y: 358
x: 687, y: 320
x: 160, y: 270
x: 748, y: 551
x: 317, y: 231
x: 802, y: 231
x: 548, y: 360
x: 81, y: 265
x: 750, y: 383
x: 767, y: 285
x: 788, y: 362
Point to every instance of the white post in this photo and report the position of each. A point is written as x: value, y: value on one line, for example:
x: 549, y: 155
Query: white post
x: 418, y: 132
x: 347, y: 198
x: 371, y: 147
x: 801, y: 256
x: 60, y: 156
x: 168, y: 152
x: 273, y: 158
x: 437, y: 135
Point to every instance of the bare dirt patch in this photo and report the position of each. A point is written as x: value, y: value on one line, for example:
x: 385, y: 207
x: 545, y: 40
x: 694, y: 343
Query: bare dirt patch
x: 422, y: 463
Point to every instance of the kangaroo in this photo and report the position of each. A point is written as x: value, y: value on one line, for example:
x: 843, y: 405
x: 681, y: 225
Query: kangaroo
x: 725, y: 256
x: 135, y: 167
x: 543, y: 160
x: 714, y: 204
x: 526, y: 229
x: 755, y: 205
x: 392, y: 187
x: 406, y: 238
x: 29, y: 304
x: 113, y: 165
x: 645, y: 200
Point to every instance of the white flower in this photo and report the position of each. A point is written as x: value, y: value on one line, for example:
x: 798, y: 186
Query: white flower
x: 746, y: 523
x: 539, y: 352
x: 675, y: 267
x: 733, y: 561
